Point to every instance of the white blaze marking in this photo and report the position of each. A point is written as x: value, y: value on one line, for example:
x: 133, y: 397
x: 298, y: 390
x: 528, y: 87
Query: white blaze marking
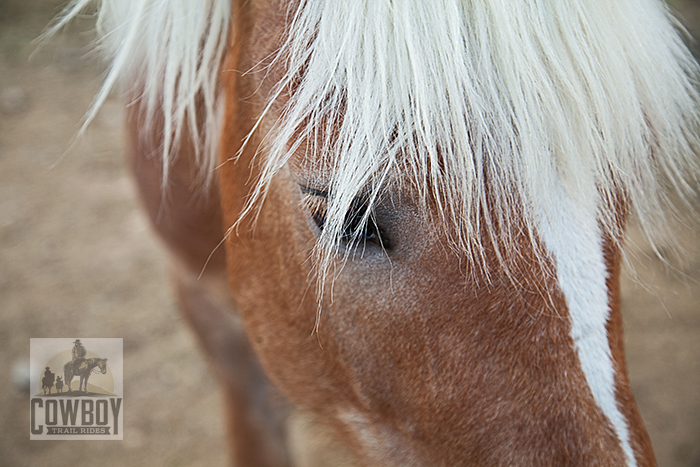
x: 572, y: 235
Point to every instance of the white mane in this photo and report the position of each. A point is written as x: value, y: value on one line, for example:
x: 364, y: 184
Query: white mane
x: 169, y: 52
x: 484, y: 105
x: 489, y: 105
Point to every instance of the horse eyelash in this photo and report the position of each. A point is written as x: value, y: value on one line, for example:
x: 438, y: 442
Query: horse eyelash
x: 315, y: 204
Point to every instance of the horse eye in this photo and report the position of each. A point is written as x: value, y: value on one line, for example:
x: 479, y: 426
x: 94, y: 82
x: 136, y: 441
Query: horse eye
x: 355, y: 228
x: 355, y: 231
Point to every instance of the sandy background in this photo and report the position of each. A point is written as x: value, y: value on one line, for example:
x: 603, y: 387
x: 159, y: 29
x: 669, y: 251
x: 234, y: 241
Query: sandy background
x: 77, y: 259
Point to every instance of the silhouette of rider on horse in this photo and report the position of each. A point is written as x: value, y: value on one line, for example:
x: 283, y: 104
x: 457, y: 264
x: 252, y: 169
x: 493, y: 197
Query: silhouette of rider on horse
x: 78, y: 353
x: 47, y: 380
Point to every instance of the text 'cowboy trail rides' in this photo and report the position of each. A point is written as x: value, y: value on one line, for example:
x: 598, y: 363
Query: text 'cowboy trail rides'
x: 76, y: 389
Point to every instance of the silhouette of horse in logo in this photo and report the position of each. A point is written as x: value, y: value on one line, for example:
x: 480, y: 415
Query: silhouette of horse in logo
x: 83, y: 370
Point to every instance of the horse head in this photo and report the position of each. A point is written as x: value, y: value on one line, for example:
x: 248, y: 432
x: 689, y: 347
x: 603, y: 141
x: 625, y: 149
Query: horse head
x: 427, y: 227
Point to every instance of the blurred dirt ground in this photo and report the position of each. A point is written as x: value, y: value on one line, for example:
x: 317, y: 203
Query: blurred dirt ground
x: 77, y: 259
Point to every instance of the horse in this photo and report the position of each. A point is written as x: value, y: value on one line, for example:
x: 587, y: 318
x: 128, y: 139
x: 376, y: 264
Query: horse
x: 407, y: 218
x: 47, y: 382
x: 59, y: 384
x: 84, y: 370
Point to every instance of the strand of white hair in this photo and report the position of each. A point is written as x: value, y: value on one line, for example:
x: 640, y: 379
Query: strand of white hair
x: 167, y: 55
